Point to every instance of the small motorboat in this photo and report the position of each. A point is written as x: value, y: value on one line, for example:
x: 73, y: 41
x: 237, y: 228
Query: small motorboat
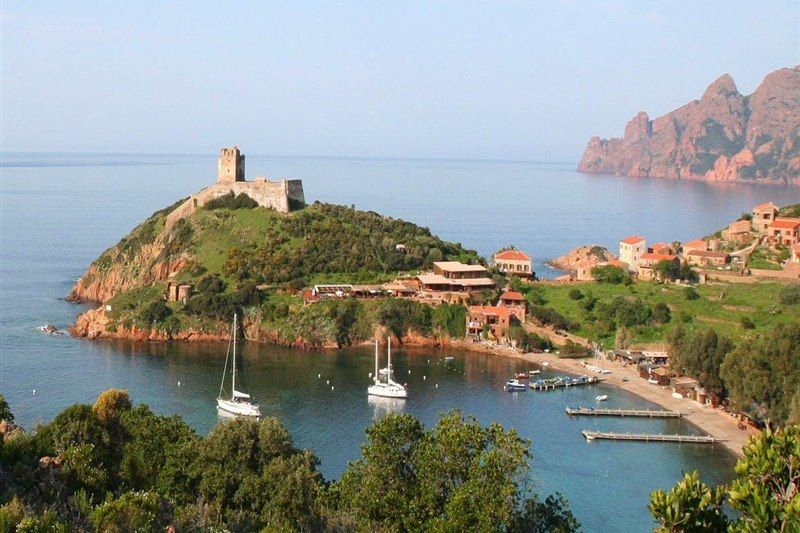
x: 601, y: 397
x: 50, y: 329
x: 546, y: 363
x: 521, y: 375
x: 449, y: 358
x: 652, y: 381
x: 534, y: 372
x: 624, y: 378
x: 515, y: 385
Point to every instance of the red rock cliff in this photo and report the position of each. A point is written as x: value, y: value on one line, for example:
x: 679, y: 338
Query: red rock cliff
x: 724, y: 136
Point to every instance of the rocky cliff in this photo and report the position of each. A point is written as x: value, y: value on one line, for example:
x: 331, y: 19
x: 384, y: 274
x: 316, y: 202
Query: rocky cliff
x: 724, y: 137
x: 581, y: 254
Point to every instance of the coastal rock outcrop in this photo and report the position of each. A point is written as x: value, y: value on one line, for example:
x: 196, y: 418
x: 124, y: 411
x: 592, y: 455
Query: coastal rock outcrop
x: 723, y: 137
x: 580, y: 255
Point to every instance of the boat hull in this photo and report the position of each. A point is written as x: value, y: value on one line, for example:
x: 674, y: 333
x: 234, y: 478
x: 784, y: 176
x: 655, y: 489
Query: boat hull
x: 239, y: 408
x: 388, y: 391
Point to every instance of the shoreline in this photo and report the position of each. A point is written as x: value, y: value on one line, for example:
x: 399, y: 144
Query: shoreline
x: 711, y: 421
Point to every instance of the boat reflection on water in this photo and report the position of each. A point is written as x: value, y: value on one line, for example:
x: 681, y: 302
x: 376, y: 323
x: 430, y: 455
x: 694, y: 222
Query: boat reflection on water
x: 382, y: 405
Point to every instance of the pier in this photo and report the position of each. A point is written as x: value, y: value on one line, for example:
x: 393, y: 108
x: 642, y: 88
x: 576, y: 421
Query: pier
x: 642, y: 413
x: 644, y: 437
x: 563, y: 381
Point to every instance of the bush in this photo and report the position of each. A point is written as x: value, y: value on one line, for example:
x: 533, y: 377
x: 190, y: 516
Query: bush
x: 547, y: 316
x: 747, y: 322
x: 231, y: 201
x: 5, y: 410
x: 528, y: 341
x: 155, y: 312
x: 690, y: 293
x: 626, y: 311
x: 609, y: 274
x: 573, y: 350
x: 790, y: 294
x: 661, y: 313
x: 575, y: 294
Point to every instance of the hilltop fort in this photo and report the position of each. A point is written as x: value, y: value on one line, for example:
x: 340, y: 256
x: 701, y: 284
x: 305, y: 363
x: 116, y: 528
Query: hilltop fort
x: 282, y: 196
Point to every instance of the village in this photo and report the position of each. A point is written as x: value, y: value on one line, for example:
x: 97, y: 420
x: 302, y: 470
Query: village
x: 761, y: 245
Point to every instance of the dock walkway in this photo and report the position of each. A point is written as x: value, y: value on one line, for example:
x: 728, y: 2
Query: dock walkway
x: 644, y: 437
x: 643, y: 413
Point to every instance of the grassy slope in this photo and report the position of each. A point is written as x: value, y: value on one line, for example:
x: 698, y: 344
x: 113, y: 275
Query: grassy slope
x: 719, y: 306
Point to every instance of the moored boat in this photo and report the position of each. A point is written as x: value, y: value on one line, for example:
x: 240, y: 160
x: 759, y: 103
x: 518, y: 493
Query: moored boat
x: 239, y: 403
x: 515, y: 385
x: 389, y: 388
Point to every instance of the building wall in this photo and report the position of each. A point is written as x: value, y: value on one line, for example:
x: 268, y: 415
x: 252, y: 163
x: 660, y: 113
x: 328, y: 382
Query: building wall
x: 514, y: 266
x: 631, y: 253
x: 762, y: 219
x: 230, y: 167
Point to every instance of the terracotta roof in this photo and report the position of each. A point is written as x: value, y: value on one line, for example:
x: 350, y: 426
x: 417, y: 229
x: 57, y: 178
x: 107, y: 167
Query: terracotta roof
x: 659, y: 257
x: 659, y: 246
x: 455, y: 266
x: 695, y: 244
x: 633, y: 239
x: 705, y: 253
x: 586, y: 263
x: 489, y: 310
x: 434, y: 279
x: 512, y: 295
x: 513, y: 255
x: 618, y: 263
x: 765, y: 206
x: 785, y: 223
x: 474, y: 282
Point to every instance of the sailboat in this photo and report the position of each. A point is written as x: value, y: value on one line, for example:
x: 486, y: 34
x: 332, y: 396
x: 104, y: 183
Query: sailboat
x: 390, y: 388
x: 239, y: 403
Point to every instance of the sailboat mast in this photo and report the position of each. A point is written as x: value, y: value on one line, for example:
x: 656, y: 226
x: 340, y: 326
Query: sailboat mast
x: 233, y: 374
x: 389, y: 361
x: 377, y: 376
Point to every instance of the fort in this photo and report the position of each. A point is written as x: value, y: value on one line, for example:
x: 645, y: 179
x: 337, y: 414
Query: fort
x: 282, y: 196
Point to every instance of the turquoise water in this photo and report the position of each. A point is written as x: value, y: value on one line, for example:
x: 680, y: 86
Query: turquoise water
x: 59, y: 212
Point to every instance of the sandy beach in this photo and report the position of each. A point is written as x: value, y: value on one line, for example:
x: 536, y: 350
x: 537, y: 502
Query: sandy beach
x: 711, y: 421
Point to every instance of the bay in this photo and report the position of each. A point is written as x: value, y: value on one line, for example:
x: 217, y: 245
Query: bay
x: 58, y: 212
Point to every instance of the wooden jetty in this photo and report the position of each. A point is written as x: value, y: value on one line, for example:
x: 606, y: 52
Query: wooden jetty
x: 642, y: 413
x: 644, y: 437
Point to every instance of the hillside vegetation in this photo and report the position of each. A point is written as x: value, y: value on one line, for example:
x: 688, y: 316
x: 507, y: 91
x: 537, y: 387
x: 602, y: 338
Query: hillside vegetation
x: 234, y: 255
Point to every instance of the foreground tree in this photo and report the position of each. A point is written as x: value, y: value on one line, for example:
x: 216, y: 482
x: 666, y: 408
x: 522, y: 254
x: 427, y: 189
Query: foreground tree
x: 765, y: 493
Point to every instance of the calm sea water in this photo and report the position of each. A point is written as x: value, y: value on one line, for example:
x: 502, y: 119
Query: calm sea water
x: 58, y: 212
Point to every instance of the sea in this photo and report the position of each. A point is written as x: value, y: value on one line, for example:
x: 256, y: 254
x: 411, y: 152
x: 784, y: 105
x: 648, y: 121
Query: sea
x: 58, y: 212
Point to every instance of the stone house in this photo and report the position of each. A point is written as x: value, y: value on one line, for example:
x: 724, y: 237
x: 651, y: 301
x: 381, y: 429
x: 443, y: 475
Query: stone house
x: 631, y: 250
x: 661, y: 248
x: 763, y: 216
x: 496, y: 319
x: 784, y: 230
x: 795, y: 257
x: 176, y: 292
x: 514, y: 262
x: 515, y: 302
x: 454, y: 276
x: 649, y: 260
x: 739, y: 232
x: 696, y: 245
x: 706, y: 258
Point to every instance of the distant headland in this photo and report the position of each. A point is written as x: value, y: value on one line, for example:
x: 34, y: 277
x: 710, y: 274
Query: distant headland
x: 723, y: 137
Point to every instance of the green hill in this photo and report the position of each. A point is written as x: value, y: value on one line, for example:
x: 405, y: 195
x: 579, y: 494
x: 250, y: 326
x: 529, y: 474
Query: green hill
x: 234, y: 255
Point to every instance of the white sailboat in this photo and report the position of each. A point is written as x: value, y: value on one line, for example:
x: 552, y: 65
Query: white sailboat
x: 390, y: 388
x: 239, y: 402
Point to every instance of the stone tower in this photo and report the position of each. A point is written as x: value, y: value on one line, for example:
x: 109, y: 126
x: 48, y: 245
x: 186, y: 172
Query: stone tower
x: 231, y: 165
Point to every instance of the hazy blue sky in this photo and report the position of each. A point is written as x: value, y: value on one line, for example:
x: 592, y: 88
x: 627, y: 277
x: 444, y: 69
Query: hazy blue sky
x: 520, y: 80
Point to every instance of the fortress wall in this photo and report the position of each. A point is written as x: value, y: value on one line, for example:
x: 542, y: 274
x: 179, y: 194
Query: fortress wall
x: 295, y: 190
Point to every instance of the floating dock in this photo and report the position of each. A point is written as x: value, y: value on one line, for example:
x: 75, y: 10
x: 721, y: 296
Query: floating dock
x: 642, y: 413
x: 644, y: 437
x: 563, y: 381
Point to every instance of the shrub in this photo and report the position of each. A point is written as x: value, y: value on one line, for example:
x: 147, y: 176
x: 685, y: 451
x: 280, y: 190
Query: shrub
x: 609, y: 274
x: 747, y: 322
x: 575, y: 294
x: 110, y: 405
x: 547, y: 316
x: 155, y: 312
x: 573, y: 350
x: 690, y: 293
x: 661, y: 313
x: 5, y: 410
x: 790, y: 294
x: 231, y: 201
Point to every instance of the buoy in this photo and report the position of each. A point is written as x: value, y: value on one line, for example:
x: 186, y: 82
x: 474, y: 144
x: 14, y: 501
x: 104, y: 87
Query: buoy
x: 319, y: 376
x: 437, y: 385
x: 424, y: 378
x: 331, y: 388
x: 370, y: 374
x: 179, y: 383
x: 34, y: 392
x: 409, y: 371
x: 327, y: 382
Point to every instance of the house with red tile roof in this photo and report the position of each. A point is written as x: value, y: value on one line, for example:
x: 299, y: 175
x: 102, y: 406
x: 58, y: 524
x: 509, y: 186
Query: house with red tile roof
x: 763, y: 216
x: 496, y: 319
x: 515, y: 302
x: 649, y: 260
x: 707, y: 258
x: 660, y: 248
x: 784, y: 230
x: 514, y: 263
x: 631, y: 250
x: 739, y: 231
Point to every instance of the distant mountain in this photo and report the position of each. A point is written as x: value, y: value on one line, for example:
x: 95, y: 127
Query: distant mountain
x: 724, y: 136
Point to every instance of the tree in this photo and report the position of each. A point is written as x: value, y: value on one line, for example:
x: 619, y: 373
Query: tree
x: 622, y: 340
x: 666, y: 270
x: 5, y: 410
x: 110, y: 405
x: 701, y: 355
x: 575, y: 294
x: 690, y: 293
x: 690, y: 506
x: 762, y: 375
x: 764, y: 492
x: 609, y: 274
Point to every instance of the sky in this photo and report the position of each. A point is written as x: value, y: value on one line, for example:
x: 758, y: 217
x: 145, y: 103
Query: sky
x: 438, y: 79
